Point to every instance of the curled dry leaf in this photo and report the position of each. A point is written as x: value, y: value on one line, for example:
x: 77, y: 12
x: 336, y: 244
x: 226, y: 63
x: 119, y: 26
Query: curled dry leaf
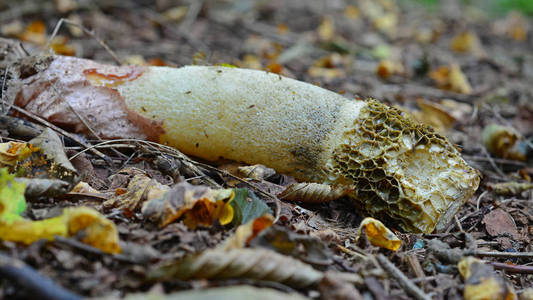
x: 502, y: 141
x: 12, y: 152
x: 379, y: 235
x: 387, y: 68
x: 141, y: 188
x: 434, y: 115
x: 261, y: 264
x: 256, y: 172
x: 199, y: 205
x: 236, y: 292
x: 467, y: 42
x: 481, y: 282
x: 247, y: 232
x: 451, y: 78
x: 334, y: 288
x: 308, y: 249
x: 313, y: 192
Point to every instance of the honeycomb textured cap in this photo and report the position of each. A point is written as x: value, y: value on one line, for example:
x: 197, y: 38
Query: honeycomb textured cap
x: 401, y: 171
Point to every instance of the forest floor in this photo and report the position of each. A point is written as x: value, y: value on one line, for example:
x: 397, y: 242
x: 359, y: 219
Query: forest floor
x: 458, y: 68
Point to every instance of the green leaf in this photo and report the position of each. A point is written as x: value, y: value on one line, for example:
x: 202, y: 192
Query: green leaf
x: 247, y: 206
x: 12, y: 201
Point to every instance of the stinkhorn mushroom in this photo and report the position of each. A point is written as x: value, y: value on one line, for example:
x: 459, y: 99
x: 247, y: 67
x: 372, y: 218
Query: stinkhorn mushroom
x: 397, y: 170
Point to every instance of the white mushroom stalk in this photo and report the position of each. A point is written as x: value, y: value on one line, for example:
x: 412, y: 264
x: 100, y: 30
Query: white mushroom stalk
x: 399, y: 171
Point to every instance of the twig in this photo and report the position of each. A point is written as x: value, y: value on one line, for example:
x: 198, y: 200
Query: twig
x: 63, y: 132
x: 31, y: 281
x: 192, y: 15
x: 3, y: 88
x: 479, y: 199
x: 89, y: 249
x: 512, y: 268
x: 189, y: 163
x: 410, y: 288
x: 86, y: 31
x: 503, y: 254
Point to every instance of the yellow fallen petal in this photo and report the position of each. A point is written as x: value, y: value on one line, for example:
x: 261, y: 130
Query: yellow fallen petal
x: 379, y: 235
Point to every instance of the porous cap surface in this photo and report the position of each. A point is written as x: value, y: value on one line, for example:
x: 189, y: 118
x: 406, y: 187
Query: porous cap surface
x: 401, y: 171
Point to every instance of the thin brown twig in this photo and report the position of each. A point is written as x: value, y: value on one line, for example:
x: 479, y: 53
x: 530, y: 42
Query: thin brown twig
x: 503, y: 254
x: 86, y: 31
x: 410, y: 288
x: 61, y: 131
x: 523, y: 269
x: 3, y: 88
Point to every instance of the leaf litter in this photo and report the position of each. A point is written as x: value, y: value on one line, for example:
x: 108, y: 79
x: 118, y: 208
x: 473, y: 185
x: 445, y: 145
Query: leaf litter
x: 487, y: 72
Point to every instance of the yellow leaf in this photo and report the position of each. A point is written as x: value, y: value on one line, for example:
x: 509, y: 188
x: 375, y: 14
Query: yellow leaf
x: 451, y: 78
x: 12, y: 152
x: 326, y: 30
x: 379, y: 235
x: 351, y: 12
x: 35, y: 33
x: 247, y: 232
x: 467, y: 42
x: 434, y: 115
x: 386, y: 68
x: 99, y: 232
x: 199, y: 205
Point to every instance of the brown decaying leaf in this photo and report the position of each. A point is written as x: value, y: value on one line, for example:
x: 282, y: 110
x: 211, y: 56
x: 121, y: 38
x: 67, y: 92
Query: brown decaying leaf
x: 499, y: 222
x: 256, y: 172
x: 200, y: 205
x: 334, y: 288
x: 308, y: 249
x: 141, y: 188
x: 434, y: 115
x: 313, y: 192
x: 261, y: 264
x: 247, y: 232
x: 237, y: 292
x: 451, y: 78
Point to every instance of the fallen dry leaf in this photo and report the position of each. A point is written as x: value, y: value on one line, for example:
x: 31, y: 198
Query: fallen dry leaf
x: 481, y: 282
x: 451, y: 78
x: 498, y: 222
x: 261, y: 264
x: 199, y: 205
x: 378, y: 234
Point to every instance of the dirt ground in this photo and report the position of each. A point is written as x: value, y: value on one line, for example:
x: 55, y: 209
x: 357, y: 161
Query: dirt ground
x: 458, y: 68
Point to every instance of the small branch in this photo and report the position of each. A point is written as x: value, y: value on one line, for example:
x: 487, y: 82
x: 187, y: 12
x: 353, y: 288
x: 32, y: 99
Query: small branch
x: 503, y: 254
x: 61, y: 131
x: 89, y: 249
x: 86, y: 31
x: 523, y: 269
x: 33, y: 283
x: 410, y: 288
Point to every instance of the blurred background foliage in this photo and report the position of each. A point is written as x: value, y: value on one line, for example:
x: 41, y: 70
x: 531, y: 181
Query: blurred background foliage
x: 495, y: 7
